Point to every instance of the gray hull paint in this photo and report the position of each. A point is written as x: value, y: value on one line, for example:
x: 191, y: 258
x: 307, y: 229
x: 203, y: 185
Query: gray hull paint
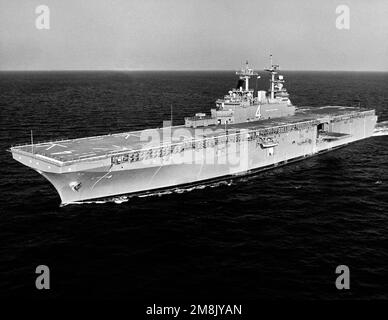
x: 236, y: 159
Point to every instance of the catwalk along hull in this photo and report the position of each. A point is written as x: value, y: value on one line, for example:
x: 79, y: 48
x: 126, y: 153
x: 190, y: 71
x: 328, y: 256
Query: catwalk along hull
x: 216, y: 153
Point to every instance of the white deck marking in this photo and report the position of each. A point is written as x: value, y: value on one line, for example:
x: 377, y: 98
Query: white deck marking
x: 63, y: 152
x: 127, y: 135
x: 121, y: 148
x: 55, y: 144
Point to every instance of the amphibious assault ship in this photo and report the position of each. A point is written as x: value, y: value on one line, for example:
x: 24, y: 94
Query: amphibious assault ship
x: 247, y: 131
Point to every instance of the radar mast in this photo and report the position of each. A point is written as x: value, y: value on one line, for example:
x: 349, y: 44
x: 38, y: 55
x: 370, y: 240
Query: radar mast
x: 245, y: 74
x: 273, y: 69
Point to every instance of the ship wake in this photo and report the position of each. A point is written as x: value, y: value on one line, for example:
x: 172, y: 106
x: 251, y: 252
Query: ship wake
x: 381, y: 129
x: 125, y: 198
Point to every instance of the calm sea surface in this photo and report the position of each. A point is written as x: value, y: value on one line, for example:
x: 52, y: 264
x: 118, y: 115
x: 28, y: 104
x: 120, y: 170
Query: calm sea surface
x: 279, y: 234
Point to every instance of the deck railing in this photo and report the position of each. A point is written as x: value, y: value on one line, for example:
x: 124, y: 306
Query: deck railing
x: 193, y: 143
x: 163, y: 150
x: 118, y: 157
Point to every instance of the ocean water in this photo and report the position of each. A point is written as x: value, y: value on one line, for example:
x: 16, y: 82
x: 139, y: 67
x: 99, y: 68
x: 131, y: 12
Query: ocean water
x: 277, y: 235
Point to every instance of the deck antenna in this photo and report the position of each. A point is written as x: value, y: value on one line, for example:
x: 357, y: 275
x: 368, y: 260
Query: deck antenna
x: 273, y: 70
x: 32, y: 143
x: 171, y: 114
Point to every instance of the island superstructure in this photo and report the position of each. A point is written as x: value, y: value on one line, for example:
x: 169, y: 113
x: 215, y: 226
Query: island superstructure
x: 247, y: 131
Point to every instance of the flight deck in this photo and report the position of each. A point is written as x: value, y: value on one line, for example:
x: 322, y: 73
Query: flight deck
x: 63, y: 151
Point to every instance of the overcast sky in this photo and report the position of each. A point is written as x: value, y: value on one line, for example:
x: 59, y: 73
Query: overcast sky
x: 193, y: 34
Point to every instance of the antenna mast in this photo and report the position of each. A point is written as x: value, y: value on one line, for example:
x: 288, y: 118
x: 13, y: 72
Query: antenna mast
x: 171, y: 115
x: 273, y: 69
x: 32, y: 143
x: 246, y: 74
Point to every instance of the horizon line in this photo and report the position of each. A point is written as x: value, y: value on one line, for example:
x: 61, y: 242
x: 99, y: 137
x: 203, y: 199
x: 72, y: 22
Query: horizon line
x: 179, y: 70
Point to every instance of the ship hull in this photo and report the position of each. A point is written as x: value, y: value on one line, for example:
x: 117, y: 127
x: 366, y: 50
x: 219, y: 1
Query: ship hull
x: 210, y: 164
x: 113, y: 195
